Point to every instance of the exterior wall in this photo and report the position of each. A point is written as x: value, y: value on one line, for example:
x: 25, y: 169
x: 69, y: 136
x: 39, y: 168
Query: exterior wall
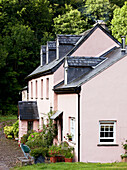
x: 59, y: 75
x: 97, y: 44
x: 24, y: 95
x: 104, y: 97
x: 68, y: 104
x: 35, y: 125
x: 22, y: 128
x: 44, y: 103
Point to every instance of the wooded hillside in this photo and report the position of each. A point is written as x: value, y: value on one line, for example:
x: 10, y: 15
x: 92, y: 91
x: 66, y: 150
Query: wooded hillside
x: 27, y: 24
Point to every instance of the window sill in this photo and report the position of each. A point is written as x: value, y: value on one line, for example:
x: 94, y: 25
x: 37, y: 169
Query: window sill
x: 107, y: 144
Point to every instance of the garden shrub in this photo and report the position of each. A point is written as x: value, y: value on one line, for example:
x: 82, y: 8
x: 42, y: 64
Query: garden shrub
x: 39, y: 152
x: 16, y: 129
x: 8, y: 130
x: 35, y: 143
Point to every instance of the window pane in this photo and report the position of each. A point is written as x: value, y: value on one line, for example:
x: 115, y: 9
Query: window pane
x: 101, y: 134
x: 107, y: 128
x: 111, y: 128
x: 102, y: 128
x: 111, y: 134
x: 106, y: 134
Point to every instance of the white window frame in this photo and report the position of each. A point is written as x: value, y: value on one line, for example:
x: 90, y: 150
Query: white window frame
x: 107, y: 123
x: 72, y: 128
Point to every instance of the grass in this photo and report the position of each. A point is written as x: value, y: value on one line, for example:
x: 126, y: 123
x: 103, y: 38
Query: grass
x: 74, y: 166
x: 8, y: 117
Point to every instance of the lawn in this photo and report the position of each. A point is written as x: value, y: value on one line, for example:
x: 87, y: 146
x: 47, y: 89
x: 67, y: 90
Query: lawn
x: 8, y: 117
x: 74, y: 166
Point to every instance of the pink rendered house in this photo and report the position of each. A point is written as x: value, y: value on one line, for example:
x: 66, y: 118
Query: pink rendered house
x: 88, y: 91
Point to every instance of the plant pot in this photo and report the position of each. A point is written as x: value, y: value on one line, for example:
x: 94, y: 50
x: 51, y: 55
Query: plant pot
x: 39, y: 159
x: 68, y: 159
x: 124, y: 159
x: 53, y: 159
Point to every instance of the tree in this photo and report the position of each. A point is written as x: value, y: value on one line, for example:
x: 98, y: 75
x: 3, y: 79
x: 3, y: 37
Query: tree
x: 21, y: 48
x: 98, y: 10
x: 69, y: 23
x: 119, y: 22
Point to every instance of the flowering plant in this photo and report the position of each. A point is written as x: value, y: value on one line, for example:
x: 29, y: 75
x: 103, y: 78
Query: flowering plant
x: 53, y: 150
x: 69, y: 136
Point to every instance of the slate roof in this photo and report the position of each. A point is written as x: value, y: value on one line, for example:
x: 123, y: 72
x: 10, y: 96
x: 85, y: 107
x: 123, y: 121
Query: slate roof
x: 114, y: 56
x: 68, y: 39
x: 84, y: 61
x: 28, y: 110
x: 46, y: 69
x: 51, y: 45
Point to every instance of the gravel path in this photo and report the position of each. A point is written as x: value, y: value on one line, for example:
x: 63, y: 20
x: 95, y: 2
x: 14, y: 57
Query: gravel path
x: 9, y: 151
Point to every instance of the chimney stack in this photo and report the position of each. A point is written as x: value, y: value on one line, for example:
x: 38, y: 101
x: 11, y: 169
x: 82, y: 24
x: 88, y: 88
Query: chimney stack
x: 41, y: 55
x: 65, y: 71
x: 47, y: 54
x: 57, y: 48
x: 123, y: 44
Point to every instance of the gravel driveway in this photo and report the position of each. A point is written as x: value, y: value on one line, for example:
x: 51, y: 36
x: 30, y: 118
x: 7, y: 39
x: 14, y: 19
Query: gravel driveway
x: 9, y: 151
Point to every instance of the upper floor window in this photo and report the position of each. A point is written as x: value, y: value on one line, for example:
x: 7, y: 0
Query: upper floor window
x: 41, y: 89
x: 47, y: 88
x: 36, y: 86
x: 72, y: 128
x: 107, y: 132
x: 31, y: 90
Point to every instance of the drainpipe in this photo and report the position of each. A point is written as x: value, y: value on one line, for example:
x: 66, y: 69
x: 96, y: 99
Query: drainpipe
x: 78, y: 127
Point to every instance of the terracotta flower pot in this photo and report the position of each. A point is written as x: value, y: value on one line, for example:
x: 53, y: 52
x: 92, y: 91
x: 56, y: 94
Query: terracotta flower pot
x: 53, y: 159
x: 68, y: 159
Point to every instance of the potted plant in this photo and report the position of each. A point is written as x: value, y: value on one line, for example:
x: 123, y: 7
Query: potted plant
x: 53, y: 152
x: 68, y: 157
x: 69, y: 136
x: 124, y: 156
x: 39, y: 154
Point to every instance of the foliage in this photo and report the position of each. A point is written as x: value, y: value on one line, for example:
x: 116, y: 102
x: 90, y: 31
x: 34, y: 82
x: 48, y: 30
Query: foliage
x: 35, y: 143
x: 99, y: 10
x: 54, y: 150
x: 49, y: 131
x: 12, y: 131
x: 10, y: 137
x: 24, y: 138
x: 38, y: 152
x: 70, y: 23
x: 16, y: 128
x: 7, y: 118
x: 66, y: 150
x: 119, y: 22
x: 8, y: 130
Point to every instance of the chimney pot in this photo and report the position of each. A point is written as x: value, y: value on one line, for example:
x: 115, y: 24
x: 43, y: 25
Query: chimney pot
x: 123, y: 49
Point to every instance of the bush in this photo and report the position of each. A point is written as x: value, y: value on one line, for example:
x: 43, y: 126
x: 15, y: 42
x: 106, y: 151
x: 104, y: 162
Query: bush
x: 16, y: 129
x: 10, y: 137
x: 35, y: 143
x: 54, y: 150
x: 8, y: 130
x: 38, y: 152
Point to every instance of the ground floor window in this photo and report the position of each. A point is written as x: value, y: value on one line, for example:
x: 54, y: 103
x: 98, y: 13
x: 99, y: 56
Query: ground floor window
x: 72, y: 128
x: 30, y: 125
x: 107, y: 132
